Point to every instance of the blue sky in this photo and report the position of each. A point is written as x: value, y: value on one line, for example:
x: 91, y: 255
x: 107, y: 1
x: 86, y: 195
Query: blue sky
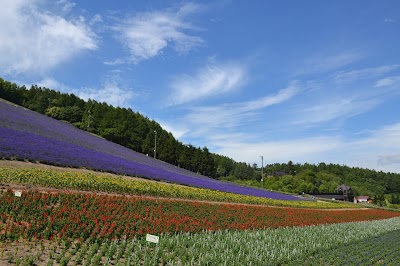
x: 306, y: 81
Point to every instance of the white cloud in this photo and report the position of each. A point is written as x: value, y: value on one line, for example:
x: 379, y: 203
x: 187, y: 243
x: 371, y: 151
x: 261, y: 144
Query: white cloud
x: 96, y: 19
x: 345, y: 94
x: 390, y: 20
x: 35, y: 40
x: 387, y: 137
x: 367, y: 73
x: 389, y: 160
x: 147, y: 34
x: 282, y: 96
x: 66, y: 5
x: 110, y: 91
x: 323, y: 63
x: 297, y: 150
x: 175, y: 129
x: 209, y: 81
x: 389, y: 81
x: 53, y: 84
x: 378, y: 150
x: 227, y: 117
x: 115, y: 62
x: 330, y: 109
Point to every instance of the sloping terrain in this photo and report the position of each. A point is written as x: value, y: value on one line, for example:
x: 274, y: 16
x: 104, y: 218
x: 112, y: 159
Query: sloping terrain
x: 27, y: 135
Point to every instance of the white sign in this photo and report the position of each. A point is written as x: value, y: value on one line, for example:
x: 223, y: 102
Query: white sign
x: 18, y: 194
x: 152, y: 238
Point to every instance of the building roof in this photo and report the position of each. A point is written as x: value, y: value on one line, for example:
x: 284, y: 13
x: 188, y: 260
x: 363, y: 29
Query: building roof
x: 343, y: 187
x: 279, y: 173
x: 363, y: 197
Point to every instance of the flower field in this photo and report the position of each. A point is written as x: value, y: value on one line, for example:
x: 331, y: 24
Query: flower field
x: 383, y: 249
x: 312, y: 245
x: 27, y: 135
x: 74, y: 215
x: 124, y: 185
x: 80, y: 228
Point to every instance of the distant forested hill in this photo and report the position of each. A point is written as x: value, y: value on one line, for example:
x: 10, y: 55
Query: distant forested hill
x: 137, y: 132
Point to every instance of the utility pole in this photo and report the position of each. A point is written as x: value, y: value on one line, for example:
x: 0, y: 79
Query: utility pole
x: 89, y: 119
x: 262, y: 174
x: 155, y: 143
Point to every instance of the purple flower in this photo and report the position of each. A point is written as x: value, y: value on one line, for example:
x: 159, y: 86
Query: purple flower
x: 25, y: 134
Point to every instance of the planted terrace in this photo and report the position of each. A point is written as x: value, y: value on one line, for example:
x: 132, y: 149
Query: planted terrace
x: 27, y: 135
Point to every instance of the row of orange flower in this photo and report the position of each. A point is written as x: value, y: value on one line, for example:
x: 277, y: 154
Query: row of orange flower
x: 77, y: 215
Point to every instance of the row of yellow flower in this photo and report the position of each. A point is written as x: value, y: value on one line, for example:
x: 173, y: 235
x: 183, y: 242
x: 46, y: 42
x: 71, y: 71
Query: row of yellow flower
x: 126, y: 185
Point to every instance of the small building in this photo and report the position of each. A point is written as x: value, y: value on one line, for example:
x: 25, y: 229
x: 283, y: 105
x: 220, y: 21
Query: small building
x: 346, y: 191
x: 342, y: 192
x: 363, y: 199
x: 279, y: 173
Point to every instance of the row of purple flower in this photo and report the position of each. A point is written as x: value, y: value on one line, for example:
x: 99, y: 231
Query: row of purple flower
x: 28, y: 135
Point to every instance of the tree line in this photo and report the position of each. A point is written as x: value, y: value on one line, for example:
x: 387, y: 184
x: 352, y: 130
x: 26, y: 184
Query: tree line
x: 325, y: 178
x: 137, y: 132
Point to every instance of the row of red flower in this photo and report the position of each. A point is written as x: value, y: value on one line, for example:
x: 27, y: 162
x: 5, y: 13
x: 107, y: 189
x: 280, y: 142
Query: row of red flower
x: 78, y: 215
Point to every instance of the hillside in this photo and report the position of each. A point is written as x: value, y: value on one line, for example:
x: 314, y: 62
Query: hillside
x: 27, y: 135
x: 136, y: 132
x: 119, y: 125
x: 67, y: 216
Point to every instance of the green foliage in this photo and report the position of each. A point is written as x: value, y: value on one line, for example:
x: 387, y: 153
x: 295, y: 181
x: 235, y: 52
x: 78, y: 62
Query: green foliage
x: 378, y: 250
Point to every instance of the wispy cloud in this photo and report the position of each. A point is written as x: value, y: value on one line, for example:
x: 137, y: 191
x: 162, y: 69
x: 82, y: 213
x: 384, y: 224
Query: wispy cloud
x: 110, y: 91
x: 66, y: 5
x: 379, y: 149
x: 392, y: 159
x: 226, y: 117
x: 345, y: 94
x: 389, y: 81
x: 327, y: 62
x: 211, y: 80
x: 147, y: 34
x: 115, y: 62
x: 331, y: 109
x: 41, y: 40
x: 389, y: 20
x: 177, y: 130
x: 367, y: 73
x: 53, y: 84
x: 298, y: 149
x: 385, y: 137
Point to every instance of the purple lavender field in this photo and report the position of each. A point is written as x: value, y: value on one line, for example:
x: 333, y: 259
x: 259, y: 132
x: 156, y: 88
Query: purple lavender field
x: 27, y: 135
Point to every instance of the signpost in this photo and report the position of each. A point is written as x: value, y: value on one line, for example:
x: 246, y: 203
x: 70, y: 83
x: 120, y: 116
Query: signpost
x: 152, y: 239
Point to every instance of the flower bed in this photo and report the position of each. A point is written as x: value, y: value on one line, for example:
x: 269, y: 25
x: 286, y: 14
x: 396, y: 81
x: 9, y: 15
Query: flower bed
x: 76, y: 215
x: 125, y: 185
